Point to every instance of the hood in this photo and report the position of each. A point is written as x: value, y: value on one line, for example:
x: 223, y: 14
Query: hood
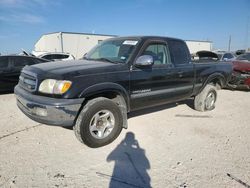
x: 243, y: 66
x: 206, y: 54
x: 72, y: 68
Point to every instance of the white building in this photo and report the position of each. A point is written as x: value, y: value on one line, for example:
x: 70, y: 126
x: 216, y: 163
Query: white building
x: 78, y: 44
x: 196, y: 45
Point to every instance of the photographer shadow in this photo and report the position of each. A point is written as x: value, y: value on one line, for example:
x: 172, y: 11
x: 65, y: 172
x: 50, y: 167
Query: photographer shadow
x: 131, y: 164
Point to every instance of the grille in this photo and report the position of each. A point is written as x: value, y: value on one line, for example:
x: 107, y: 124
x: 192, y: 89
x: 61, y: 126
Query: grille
x: 28, y: 81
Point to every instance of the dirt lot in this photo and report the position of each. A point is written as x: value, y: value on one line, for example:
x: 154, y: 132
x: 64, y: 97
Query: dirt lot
x: 169, y: 146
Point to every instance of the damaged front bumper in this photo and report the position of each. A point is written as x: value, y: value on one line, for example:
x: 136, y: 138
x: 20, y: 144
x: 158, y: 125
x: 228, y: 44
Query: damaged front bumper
x: 240, y: 80
x: 46, y: 110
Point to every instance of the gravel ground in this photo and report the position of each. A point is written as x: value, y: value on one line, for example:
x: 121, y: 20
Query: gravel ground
x: 168, y: 146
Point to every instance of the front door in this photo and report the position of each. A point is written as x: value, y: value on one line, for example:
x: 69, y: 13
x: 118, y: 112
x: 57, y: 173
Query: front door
x: 155, y: 84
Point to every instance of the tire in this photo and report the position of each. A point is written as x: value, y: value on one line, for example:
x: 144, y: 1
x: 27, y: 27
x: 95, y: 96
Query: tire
x: 205, y: 100
x: 99, y: 122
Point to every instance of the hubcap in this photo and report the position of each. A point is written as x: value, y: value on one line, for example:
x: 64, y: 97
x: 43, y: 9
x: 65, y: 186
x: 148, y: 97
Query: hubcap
x: 102, y: 124
x: 210, y: 100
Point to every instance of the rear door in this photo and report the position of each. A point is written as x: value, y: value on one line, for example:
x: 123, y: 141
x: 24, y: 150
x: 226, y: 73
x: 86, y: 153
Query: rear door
x: 184, y: 69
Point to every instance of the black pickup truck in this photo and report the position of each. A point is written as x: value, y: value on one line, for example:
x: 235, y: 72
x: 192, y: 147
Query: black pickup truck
x: 116, y: 77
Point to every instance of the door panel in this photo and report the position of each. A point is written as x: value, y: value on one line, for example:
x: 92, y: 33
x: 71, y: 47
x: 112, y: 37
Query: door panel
x: 151, y: 86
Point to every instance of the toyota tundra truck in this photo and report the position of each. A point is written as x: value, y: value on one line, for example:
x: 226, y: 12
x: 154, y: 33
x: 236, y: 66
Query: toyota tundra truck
x: 120, y: 75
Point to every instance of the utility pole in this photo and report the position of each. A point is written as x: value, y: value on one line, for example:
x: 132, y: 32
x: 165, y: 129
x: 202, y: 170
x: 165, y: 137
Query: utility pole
x: 247, y: 33
x: 229, y: 43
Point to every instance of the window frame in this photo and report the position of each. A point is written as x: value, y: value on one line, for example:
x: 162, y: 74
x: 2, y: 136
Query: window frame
x: 157, y: 42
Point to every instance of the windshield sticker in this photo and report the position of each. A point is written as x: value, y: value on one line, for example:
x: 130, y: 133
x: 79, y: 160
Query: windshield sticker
x: 130, y: 42
x: 123, y: 58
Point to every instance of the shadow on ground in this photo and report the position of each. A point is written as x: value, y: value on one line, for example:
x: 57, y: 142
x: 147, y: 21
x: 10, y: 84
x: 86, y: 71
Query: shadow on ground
x: 131, y: 164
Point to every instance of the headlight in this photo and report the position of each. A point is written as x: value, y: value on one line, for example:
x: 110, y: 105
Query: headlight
x: 52, y: 86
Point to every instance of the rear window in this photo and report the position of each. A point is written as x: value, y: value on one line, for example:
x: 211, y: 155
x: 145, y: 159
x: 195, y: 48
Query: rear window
x: 228, y: 56
x: 3, y: 62
x: 55, y: 56
x: 179, y: 52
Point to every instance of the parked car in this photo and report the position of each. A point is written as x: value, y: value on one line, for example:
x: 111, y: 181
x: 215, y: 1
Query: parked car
x: 10, y: 68
x: 241, y: 72
x: 239, y: 52
x: 226, y: 56
x: 116, y: 77
x: 55, y: 56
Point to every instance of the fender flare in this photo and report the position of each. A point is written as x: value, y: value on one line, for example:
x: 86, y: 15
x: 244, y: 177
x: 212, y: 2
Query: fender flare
x: 106, y: 87
x: 211, y: 77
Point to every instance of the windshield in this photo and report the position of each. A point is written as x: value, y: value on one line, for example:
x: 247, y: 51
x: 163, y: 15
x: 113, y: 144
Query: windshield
x: 114, y: 50
x: 244, y: 57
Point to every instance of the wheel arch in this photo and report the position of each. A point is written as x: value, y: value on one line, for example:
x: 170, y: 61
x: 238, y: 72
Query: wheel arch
x: 112, y: 91
x: 217, y: 79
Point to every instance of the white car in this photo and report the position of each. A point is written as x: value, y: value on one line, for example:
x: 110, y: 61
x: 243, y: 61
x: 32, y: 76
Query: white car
x: 56, y: 56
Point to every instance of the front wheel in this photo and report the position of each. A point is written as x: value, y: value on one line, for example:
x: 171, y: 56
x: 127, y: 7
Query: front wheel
x: 99, y: 122
x: 205, y: 100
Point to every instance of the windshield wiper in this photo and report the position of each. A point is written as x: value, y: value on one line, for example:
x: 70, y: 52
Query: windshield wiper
x: 105, y: 59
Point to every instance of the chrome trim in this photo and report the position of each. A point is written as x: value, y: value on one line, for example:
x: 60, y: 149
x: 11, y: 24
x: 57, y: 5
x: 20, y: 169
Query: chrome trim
x: 28, y: 73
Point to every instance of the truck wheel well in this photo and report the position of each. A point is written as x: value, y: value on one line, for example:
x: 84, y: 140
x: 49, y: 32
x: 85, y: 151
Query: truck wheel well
x: 217, y: 82
x: 114, y: 96
x: 118, y: 99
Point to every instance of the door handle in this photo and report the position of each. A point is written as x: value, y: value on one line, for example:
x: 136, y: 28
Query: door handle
x: 180, y: 74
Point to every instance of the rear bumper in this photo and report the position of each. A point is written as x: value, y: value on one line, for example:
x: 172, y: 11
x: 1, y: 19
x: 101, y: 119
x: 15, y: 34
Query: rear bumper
x: 46, y: 110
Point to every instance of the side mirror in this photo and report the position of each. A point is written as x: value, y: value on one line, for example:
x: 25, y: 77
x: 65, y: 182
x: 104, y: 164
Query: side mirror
x: 144, y: 60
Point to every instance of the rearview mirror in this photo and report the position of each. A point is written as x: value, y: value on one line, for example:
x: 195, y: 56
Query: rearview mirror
x: 144, y: 60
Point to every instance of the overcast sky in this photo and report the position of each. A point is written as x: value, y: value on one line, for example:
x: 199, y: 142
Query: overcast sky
x: 22, y: 22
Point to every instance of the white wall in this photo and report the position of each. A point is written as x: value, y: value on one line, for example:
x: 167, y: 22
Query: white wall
x: 49, y: 43
x: 73, y: 43
x: 78, y: 44
x: 195, y: 46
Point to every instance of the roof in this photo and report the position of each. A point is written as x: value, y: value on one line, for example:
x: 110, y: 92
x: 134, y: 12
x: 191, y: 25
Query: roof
x: 80, y: 33
x: 145, y: 37
x: 199, y: 41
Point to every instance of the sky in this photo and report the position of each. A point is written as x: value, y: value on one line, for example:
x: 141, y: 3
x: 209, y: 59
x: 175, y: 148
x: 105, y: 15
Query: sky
x: 22, y: 22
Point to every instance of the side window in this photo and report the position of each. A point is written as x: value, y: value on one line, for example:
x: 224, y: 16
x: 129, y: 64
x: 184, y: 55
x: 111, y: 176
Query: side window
x: 159, y: 52
x: 4, y: 62
x: 50, y: 57
x: 179, y: 52
x: 19, y: 62
x: 60, y: 56
x: 22, y: 61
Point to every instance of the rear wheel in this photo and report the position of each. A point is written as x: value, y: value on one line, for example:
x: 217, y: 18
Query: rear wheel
x: 99, y: 122
x: 205, y: 100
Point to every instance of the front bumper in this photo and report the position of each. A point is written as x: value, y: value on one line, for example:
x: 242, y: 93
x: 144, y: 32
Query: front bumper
x: 46, y: 110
